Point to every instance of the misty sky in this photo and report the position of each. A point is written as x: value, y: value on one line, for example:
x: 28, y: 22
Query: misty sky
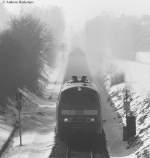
x: 78, y: 11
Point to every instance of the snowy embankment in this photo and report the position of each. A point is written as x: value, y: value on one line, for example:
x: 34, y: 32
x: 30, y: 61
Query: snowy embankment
x: 140, y: 105
x: 5, y: 132
x: 38, y: 121
x: 38, y: 124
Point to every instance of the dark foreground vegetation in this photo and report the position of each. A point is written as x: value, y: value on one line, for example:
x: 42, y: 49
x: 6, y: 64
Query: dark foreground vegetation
x: 23, y: 53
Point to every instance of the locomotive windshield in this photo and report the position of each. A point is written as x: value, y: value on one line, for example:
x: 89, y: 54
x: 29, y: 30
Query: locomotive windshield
x: 79, y: 99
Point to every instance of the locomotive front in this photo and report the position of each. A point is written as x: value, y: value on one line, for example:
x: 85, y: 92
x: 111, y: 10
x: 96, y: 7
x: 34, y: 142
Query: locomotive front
x: 79, y: 110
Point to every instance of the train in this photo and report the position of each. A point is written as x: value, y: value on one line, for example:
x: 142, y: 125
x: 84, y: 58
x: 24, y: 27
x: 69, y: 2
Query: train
x: 78, y: 112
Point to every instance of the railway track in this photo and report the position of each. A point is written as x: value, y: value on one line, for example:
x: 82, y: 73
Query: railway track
x: 77, y: 65
x: 61, y: 149
x: 70, y: 153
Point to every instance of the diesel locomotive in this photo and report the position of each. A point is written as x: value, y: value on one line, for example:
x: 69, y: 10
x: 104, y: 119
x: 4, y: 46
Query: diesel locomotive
x: 79, y: 109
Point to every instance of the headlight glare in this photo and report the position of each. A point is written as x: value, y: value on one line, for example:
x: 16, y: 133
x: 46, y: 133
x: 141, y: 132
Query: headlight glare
x: 92, y: 119
x: 66, y: 120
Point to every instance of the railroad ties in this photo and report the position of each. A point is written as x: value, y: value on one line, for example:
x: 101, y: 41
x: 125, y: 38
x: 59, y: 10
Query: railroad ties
x: 63, y: 149
x: 78, y: 154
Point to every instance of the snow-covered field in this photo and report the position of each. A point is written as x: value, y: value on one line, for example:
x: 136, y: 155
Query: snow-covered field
x: 137, y: 75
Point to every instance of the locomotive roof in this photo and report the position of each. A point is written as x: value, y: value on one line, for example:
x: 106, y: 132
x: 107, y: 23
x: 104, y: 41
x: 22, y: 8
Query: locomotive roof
x: 69, y: 85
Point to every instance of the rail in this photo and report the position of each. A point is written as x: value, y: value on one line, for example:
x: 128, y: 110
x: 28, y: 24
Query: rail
x: 77, y: 154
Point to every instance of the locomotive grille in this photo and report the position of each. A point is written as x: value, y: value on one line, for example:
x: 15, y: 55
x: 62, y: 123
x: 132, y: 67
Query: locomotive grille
x: 79, y: 112
x: 79, y: 119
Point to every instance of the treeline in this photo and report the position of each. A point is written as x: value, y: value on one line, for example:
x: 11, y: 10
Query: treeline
x: 118, y: 36
x: 25, y: 47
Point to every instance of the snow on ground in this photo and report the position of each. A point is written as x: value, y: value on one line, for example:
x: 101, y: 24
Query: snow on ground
x: 113, y: 130
x: 5, y: 130
x: 141, y: 107
x: 38, y: 124
x: 137, y: 75
x: 38, y: 118
x: 137, y: 78
x: 34, y: 146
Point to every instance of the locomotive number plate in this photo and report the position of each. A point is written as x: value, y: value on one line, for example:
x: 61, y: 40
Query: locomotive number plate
x: 79, y: 112
x: 68, y: 112
x: 90, y: 112
x: 72, y: 112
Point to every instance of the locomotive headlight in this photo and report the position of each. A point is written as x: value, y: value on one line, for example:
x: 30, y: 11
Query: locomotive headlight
x: 79, y: 89
x: 92, y: 119
x: 66, y: 120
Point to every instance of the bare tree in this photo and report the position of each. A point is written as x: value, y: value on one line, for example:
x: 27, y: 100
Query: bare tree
x: 21, y: 56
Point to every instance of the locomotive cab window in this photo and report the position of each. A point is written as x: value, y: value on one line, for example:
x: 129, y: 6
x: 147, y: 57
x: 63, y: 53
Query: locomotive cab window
x: 83, y: 99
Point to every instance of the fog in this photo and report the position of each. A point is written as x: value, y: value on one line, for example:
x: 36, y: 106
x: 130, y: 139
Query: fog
x: 108, y: 41
x: 106, y: 37
x: 103, y: 30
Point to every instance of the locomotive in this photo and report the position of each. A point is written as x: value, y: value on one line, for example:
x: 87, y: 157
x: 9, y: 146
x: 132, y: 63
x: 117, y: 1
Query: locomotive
x: 79, y: 109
